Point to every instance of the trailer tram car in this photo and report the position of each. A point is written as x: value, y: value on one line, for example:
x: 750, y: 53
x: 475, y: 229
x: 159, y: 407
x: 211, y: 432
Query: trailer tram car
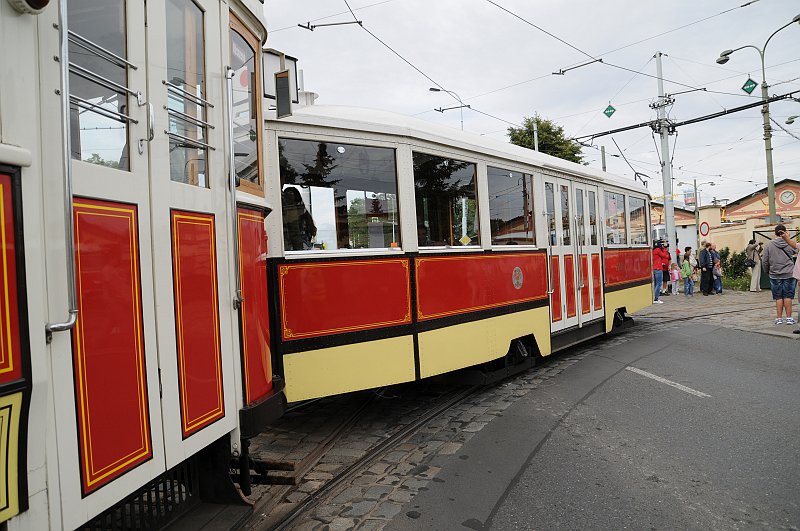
x: 411, y: 250
x: 178, y: 263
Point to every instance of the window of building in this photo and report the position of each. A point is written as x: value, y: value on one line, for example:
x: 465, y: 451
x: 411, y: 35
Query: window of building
x: 246, y: 113
x: 510, y: 207
x: 638, y: 221
x: 446, y: 199
x: 338, y: 196
x: 615, y: 219
x: 98, y: 83
x: 186, y: 93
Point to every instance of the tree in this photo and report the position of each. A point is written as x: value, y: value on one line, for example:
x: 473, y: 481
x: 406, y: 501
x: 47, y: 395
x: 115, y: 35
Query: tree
x: 551, y: 139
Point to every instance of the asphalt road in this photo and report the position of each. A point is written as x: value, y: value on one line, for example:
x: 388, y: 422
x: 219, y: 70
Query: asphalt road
x: 608, y: 445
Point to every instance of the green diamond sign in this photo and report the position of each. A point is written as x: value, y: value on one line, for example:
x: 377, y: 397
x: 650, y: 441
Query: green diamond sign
x: 609, y: 110
x: 749, y: 86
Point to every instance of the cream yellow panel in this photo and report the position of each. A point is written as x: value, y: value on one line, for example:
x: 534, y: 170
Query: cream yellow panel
x: 633, y: 299
x: 336, y: 370
x: 10, y: 406
x: 463, y: 345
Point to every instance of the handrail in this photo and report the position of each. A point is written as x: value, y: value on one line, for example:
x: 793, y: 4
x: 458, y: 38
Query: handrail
x: 197, y: 99
x: 69, y: 227
x: 80, y: 102
x: 237, y: 298
x: 98, y: 50
x: 186, y: 117
x: 550, y: 289
x: 94, y: 77
x: 192, y: 142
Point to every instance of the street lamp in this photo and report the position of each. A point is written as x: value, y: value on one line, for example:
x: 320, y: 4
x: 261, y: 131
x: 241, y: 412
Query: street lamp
x: 790, y: 120
x: 723, y: 58
x: 697, y: 206
x: 459, y: 107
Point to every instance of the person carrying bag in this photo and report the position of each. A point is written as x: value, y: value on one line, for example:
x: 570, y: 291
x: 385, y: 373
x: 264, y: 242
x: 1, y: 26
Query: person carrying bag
x: 753, y: 261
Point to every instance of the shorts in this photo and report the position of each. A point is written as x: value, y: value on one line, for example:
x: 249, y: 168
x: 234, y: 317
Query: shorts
x: 782, y: 288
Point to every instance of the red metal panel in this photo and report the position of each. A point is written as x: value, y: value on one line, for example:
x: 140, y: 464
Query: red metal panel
x: 194, y: 262
x: 450, y: 285
x: 108, y: 343
x: 256, y: 355
x: 569, y: 285
x: 10, y: 355
x: 322, y: 298
x: 598, y: 295
x: 586, y: 304
x: 627, y: 265
x: 555, y: 297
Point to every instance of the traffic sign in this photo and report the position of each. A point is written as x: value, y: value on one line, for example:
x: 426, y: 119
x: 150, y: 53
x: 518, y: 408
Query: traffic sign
x: 609, y: 110
x: 749, y: 86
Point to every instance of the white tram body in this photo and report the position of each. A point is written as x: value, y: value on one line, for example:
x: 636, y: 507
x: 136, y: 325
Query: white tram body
x: 174, y: 254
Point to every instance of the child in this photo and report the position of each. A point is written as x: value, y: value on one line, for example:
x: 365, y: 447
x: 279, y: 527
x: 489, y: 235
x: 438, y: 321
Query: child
x: 717, y: 271
x: 674, y: 276
x: 687, y: 271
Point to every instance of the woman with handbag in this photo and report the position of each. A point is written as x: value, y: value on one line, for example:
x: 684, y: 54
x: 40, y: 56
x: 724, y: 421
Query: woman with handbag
x: 753, y: 261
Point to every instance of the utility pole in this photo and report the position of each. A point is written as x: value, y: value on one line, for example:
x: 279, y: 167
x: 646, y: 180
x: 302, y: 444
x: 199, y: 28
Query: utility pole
x: 664, y: 128
x: 535, y: 132
x: 603, y: 157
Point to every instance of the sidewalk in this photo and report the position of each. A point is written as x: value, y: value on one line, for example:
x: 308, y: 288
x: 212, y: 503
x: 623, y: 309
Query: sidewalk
x: 740, y: 310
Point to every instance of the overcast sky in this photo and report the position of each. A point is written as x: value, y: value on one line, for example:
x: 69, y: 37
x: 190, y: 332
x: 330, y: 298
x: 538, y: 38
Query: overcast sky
x: 502, y: 66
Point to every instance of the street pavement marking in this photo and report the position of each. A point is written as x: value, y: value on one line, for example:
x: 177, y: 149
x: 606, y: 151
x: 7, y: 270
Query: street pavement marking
x: 668, y: 382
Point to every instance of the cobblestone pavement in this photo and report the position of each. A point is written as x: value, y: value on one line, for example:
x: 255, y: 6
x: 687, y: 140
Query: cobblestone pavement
x: 372, y: 498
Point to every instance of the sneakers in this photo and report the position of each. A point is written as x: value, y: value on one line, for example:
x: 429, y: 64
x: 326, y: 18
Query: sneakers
x: 658, y: 302
x: 790, y: 320
x: 779, y: 320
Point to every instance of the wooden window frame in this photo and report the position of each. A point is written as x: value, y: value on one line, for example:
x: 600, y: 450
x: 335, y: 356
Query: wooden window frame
x: 239, y: 27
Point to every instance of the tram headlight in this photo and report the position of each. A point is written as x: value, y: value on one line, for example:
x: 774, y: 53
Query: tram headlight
x: 29, y: 7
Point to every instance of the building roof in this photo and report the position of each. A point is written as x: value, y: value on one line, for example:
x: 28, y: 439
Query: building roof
x: 760, y: 191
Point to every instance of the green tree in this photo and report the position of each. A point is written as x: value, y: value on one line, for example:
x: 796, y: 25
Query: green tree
x: 97, y: 159
x: 551, y: 139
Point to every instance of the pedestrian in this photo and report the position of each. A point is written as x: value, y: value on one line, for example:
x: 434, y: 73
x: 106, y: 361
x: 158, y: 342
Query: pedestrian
x: 717, y: 272
x: 660, y: 261
x: 777, y: 263
x: 674, y: 277
x: 753, y: 261
x: 706, y: 264
x: 687, y: 271
x: 716, y: 279
x: 665, y: 269
x: 795, y: 272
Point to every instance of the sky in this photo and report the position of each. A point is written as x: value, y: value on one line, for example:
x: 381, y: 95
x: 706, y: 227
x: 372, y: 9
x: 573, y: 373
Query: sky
x: 499, y: 56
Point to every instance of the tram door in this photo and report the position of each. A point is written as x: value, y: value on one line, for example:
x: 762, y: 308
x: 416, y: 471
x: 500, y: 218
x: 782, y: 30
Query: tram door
x: 562, y: 250
x: 590, y: 287
x: 149, y: 384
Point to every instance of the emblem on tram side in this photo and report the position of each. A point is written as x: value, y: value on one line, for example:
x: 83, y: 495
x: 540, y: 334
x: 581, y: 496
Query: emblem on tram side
x: 517, y: 277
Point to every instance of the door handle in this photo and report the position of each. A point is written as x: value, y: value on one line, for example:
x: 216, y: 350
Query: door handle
x: 151, y: 126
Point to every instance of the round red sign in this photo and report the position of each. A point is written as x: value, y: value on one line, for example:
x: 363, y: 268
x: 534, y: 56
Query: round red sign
x: 704, y: 229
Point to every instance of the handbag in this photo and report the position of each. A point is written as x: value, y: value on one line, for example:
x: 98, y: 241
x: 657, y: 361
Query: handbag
x: 749, y: 262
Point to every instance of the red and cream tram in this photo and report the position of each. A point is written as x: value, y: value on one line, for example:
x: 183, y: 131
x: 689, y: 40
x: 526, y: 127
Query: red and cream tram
x: 178, y: 263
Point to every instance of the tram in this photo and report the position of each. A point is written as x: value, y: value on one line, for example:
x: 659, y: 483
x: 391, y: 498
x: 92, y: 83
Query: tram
x: 179, y: 263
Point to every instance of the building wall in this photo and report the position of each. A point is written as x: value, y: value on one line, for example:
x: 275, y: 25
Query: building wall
x: 787, y: 203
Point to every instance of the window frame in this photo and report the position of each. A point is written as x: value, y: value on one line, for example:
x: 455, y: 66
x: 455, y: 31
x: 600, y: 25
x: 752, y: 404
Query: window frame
x: 532, y: 183
x: 604, y: 203
x: 235, y: 24
x: 646, y: 222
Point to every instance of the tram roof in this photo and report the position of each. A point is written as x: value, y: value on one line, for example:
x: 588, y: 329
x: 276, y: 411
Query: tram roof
x: 384, y: 122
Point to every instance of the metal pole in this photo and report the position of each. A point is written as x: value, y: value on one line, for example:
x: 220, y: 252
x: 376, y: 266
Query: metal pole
x: 666, y: 164
x: 773, y: 217
x: 697, y: 216
x: 603, y: 156
x: 535, y: 133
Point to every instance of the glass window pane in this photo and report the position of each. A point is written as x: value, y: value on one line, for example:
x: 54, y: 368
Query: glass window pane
x: 592, y: 218
x: 510, y: 207
x: 338, y: 196
x: 446, y: 198
x: 186, y: 69
x: 246, y: 131
x: 550, y: 208
x: 638, y: 223
x: 615, y: 218
x: 98, y: 137
x: 565, y: 226
x: 579, y: 217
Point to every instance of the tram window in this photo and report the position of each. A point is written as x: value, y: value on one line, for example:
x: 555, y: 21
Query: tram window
x: 98, y: 109
x: 638, y: 222
x: 446, y: 199
x: 565, y: 225
x: 592, y: 217
x: 246, y: 114
x: 510, y: 207
x: 186, y: 70
x: 338, y: 196
x: 550, y: 209
x: 615, y: 219
x: 580, y: 218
